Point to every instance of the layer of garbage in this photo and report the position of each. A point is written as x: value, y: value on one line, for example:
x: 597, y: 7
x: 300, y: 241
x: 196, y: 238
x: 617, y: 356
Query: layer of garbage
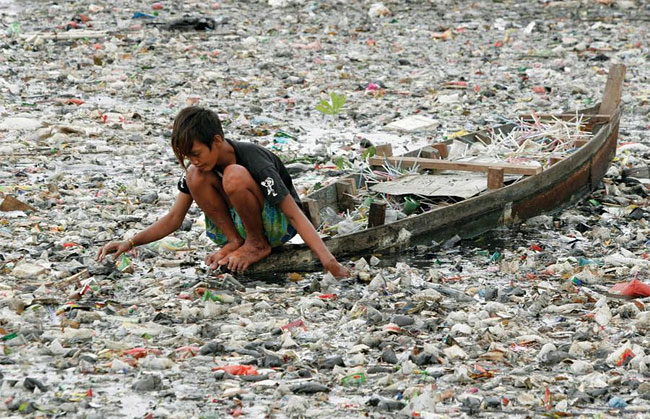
x: 548, y: 318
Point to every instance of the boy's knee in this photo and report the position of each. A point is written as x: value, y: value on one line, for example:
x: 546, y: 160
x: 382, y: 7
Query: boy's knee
x: 194, y: 177
x: 235, y: 177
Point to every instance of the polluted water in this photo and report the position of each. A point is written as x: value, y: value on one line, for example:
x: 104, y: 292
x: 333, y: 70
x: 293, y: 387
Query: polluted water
x: 544, y: 318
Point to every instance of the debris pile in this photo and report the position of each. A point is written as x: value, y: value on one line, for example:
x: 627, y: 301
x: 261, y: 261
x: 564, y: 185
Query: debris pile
x: 550, y: 317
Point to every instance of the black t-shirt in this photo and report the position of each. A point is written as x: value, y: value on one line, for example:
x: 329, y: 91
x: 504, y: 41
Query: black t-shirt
x: 266, y: 168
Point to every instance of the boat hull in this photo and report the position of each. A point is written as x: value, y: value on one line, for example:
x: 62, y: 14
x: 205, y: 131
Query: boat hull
x: 562, y: 184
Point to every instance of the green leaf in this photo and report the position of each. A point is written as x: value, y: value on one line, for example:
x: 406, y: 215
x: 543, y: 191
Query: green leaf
x: 339, y: 162
x: 337, y: 101
x: 324, y: 107
x: 333, y: 107
x: 369, y: 152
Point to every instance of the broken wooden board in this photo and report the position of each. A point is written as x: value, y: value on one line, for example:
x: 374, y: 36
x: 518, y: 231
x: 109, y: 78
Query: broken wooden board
x: 407, y: 162
x: 464, y: 186
x: 9, y: 203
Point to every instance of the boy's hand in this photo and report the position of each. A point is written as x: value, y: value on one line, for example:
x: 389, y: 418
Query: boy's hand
x: 337, y: 270
x: 113, y: 247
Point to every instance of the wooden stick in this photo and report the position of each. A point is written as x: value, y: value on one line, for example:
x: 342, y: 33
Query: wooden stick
x: 74, y: 279
x: 495, y: 178
x: 61, y: 36
x: 407, y: 162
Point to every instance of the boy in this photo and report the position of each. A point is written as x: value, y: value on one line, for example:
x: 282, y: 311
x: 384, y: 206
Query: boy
x: 245, y: 192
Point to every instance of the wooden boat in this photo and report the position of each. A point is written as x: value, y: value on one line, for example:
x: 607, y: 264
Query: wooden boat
x: 541, y: 190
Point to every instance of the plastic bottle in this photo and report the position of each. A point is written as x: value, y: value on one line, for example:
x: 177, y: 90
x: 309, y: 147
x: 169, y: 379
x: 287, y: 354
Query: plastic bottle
x: 354, y: 379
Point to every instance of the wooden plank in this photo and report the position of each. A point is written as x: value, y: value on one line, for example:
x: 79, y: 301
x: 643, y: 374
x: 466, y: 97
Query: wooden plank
x: 555, y: 159
x: 345, y: 190
x: 495, y: 178
x: 593, y: 118
x: 613, y: 88
x: 80, y: 34
x: 384, y: 150
x: 377, y: 214
x: 313, y: 211
x: 442, y: 148
x: 407, y: 162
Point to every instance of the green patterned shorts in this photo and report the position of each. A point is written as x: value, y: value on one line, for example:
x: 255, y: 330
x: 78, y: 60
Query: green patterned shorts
x: 276, y: 226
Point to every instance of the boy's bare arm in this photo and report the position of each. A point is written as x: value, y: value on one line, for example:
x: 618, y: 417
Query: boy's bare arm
x: 306, y: 230
x: 166, y: 225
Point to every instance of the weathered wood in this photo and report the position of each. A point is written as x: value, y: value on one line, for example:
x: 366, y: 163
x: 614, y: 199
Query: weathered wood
x: 562, y: 184
x: 554, y: 159
x: 407, y: 162
x: 442, y: 148
x: 579, y: 143
x: 637, y: 172
x: 80, y: 34
x: 377, y: 214
x: 312, y: 209
x: 429, y: 152
x: 594, y: 118
x: 495, y: 178
x: 9, y: 203
x: 71, y: 280
x: 345, y: 191
x: 384, y: 150
x: 613, y: 88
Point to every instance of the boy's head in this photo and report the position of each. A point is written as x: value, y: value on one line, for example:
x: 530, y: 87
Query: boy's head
x: 194, y: 124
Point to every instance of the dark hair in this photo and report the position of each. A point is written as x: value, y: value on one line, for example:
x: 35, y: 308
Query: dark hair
x: 194, y: 124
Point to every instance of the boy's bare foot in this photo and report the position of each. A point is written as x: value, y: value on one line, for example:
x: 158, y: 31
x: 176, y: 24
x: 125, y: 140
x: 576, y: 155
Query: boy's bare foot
x: 245, y: 256
x: 212, y: 260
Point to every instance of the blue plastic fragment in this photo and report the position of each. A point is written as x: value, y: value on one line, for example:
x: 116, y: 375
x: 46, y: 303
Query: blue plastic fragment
x: 140, y: 15
x: 617, y: 403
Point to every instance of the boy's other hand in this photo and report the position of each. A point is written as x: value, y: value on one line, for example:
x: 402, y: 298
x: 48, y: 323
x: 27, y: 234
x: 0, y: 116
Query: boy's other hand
x: 337, y: 270
x: 117, y: 248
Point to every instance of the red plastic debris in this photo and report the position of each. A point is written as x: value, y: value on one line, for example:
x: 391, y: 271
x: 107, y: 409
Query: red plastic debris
x: 189, y: 350
x: 157, y: 6
x: 295, y: 323
x: 632, y: 289
x: 89, y: 393
x: 74, y: 102
x: 238, y: 369
x: 624, y: 357
x: 141, y: 352
x: 535, y: 248
x: 547, y: 398
x: 69, y: 244
x: 328, y: 297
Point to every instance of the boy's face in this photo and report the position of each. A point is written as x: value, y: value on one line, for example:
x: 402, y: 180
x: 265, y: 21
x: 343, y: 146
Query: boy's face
x: 203, y: 157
